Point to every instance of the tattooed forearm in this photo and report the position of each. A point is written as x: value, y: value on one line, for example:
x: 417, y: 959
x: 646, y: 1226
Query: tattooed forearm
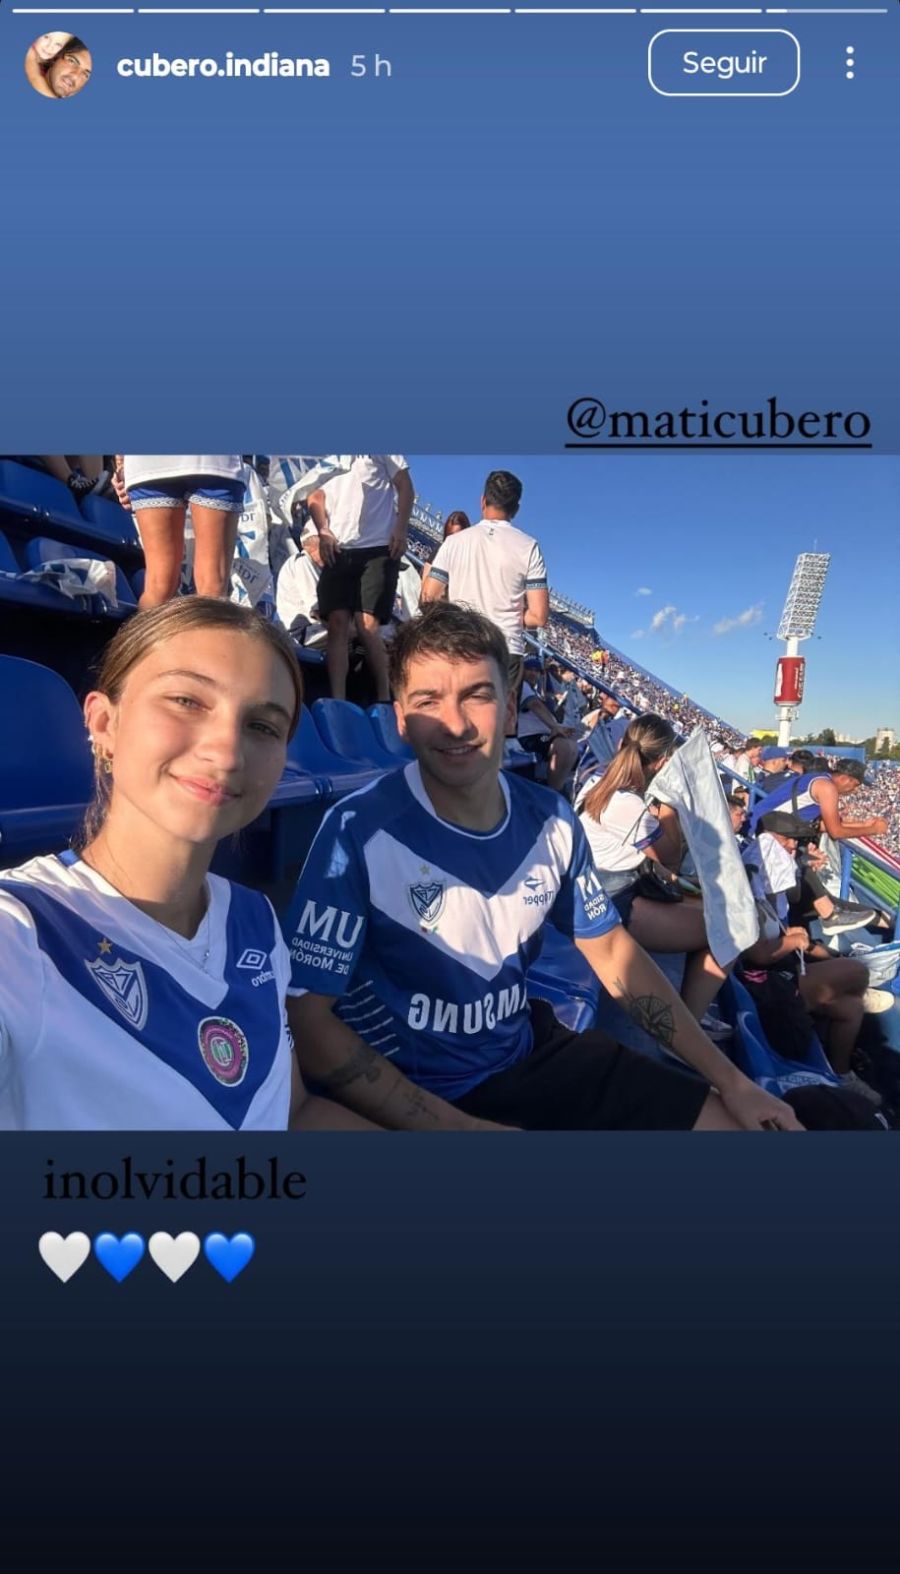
x: 651, y: 1013
x: 364, y: 1062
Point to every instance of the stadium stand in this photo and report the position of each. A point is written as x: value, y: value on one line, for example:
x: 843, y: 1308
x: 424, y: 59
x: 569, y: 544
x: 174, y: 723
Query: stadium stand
x: 49, y: 643
x: 45, y: 783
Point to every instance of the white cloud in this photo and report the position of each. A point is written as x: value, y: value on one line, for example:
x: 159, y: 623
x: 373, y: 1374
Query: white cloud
x: 745, y: 619
x: 643, y: 590
x: 668, y: 620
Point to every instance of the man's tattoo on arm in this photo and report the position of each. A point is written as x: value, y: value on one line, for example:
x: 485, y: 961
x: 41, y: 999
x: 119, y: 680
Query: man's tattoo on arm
x: 367, y: 1064
x: 651, y: 1013
x: 363, y: 1062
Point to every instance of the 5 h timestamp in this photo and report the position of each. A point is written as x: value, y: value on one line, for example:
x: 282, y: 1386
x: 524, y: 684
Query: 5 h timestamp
x: 370, y: 66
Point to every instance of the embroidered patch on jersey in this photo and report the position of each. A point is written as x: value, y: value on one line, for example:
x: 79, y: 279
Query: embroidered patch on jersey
x: 428, y: 902
x: 225, y: 1051
x: 124, y: 985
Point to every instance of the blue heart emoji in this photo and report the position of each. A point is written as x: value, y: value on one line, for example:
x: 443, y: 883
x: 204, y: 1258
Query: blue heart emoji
x: 229, y: 1257
x: 119, y: 1256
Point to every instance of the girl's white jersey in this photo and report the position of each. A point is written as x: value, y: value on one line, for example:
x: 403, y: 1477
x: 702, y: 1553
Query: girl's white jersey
x: 110, y: 1021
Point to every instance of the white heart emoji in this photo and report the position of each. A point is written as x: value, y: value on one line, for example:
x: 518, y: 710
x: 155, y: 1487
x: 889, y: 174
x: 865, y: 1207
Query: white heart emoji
x: 64, y: 1255
x: 174, y: 1255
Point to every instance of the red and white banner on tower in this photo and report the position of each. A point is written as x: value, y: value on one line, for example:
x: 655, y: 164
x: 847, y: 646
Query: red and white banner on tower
x: 789, y: 680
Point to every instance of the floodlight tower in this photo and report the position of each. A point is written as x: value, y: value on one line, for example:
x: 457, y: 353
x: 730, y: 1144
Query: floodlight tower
x: 797, y: 622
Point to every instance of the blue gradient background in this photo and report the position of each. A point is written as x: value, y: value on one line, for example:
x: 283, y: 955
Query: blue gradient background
x: 575, y: 1354
x: 567, y: 1353
x: 447, y: 258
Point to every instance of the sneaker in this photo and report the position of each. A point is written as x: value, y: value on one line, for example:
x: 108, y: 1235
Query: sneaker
x: 716, y: 1029
x: 855, y: 1084
x: 878, y: 1000
x: 81, y: 486
x: 846, y: 917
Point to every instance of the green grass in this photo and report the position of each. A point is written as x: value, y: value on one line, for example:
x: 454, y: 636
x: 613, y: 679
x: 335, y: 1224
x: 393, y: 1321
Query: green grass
x: 883, y: 886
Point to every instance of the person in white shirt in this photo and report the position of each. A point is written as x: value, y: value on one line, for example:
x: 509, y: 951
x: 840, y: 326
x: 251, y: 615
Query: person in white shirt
x: 137, y: 990
x: 297, y: 592
x: 158, y: 488
x: 622, y: 833
x: 362, y: 517
x: 495, y: 568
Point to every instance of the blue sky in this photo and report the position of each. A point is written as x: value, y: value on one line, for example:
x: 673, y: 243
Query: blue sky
x: 668, y: 549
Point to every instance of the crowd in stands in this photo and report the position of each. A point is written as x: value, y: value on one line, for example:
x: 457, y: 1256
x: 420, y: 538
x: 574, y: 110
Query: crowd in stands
x: 880, y: 795
x: 339, y: 552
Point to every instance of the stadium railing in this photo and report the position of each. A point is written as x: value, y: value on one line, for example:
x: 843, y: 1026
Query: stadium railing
x: 873, y: 874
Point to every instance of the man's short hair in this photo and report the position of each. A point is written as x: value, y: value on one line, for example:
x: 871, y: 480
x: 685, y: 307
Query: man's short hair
x: 446, y: 629
x: 503, y: 490
x: 802, y: 757
x: 854, y: 768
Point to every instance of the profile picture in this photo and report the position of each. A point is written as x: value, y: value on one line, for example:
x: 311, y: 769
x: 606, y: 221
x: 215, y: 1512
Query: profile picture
x: 58, y: 65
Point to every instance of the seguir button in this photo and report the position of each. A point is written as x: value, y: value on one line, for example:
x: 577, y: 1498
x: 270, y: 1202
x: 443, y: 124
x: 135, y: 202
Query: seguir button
x: 700, y: 62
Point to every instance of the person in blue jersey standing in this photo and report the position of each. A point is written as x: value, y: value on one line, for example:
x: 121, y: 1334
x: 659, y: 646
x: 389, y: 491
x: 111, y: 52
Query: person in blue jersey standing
x: 421, y: 906
x: 138, y: 991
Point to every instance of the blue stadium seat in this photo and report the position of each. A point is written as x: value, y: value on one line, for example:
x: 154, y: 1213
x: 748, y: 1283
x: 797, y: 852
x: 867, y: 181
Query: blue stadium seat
x: 108, y: 524
x: 37, y: 497
x: 41, y: 549
x: 13, y: 590
x: 309, y: 756
x: 387, y: 735
x: 47, y: 776
x: 347, y: 731
x: 561, y: 976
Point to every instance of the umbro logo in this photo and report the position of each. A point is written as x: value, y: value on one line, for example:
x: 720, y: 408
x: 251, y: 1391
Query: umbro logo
x: 253, y: 960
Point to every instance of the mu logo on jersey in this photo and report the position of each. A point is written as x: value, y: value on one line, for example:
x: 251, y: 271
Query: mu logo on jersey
x: 428, y: 902
x: 593, y: 895
x: 124, y: 986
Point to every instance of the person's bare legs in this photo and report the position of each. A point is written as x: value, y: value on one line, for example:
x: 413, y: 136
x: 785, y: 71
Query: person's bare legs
x: 60, y: 466
x: 560, y: 761
x: 337, y: 652
x: 215, y: 535
x: 162, y: 536
x: 834, y: 991
x: 715, y: 1117
x: 661, y: 926
x: 369, y: 631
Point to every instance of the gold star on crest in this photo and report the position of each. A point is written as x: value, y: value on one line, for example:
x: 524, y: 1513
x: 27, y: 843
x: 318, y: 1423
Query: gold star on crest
x: 104, y: 945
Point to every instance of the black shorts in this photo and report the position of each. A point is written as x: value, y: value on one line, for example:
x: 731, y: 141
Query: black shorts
x: 537, y: 743
x: 362, y: 579
x: 586, y: 1082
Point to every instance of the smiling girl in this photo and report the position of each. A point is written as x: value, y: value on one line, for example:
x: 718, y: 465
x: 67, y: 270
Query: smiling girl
x: 138, y: 991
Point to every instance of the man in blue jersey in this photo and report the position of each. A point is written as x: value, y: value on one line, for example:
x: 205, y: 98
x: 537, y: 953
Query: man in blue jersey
x: 420, y: 909
x: 814, y: 797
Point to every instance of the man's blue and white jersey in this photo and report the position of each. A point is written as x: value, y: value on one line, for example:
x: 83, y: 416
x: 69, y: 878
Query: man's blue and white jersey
x: 426, y: 931
x: 110, y: 1021
x: 782, y: 798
